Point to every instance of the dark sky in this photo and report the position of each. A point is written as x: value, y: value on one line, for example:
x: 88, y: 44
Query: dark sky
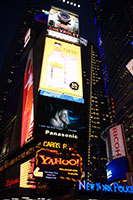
x: 12, y: 11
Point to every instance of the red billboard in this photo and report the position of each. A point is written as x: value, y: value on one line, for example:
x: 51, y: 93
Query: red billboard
x: 28, y: 109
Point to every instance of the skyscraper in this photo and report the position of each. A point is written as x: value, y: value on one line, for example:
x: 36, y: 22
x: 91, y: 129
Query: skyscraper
x: 99, y: 115
x: 115, y: 38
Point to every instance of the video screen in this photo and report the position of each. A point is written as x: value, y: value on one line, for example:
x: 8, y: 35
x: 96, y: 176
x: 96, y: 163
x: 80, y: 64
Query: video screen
x: 59, y: 114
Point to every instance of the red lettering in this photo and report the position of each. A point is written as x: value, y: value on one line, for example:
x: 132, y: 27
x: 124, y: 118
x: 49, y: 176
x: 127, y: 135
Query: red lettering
x: 116, y: 139
x: 116, y: 145
x: 11, y: 182
x: 118, y: 153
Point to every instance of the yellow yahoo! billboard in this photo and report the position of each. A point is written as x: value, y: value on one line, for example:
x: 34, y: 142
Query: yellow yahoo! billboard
x: 61, y: 73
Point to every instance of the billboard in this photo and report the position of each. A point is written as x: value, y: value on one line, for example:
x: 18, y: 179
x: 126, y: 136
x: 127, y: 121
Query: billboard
x: 60, y: 118
x: 28, y: 107
x: 52, y: 165
x: 117, y: 169
x: 63, y: 25
x: 26, y: 174
x: 117, y: 142
x: 61, y: 73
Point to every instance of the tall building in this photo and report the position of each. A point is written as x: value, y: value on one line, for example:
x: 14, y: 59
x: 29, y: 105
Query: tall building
x: 99, y: 114
x: 49, y: 116
x: 115, y: 39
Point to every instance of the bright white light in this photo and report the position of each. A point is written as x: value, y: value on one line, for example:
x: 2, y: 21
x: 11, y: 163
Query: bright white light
x: 74, y: 4
x: 71, y: 3
x: 63, y: 0
x: 78, y: 6
x: 67, y: 2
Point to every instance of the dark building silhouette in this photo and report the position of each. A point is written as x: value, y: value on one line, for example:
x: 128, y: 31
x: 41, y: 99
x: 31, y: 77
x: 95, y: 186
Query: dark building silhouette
x: 115, y: 38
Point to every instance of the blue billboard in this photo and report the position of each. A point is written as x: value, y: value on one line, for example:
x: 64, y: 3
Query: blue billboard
x: 117, y: 169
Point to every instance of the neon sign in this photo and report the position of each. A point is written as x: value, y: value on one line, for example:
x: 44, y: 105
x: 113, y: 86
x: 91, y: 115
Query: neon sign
x: 42, y: 18
x: 105, y: 187
x: 48, y: 162
x: 58, y: 161
x: 11, y: 182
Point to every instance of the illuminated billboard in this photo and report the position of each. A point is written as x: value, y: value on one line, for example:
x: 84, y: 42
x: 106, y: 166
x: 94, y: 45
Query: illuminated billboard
x: 51, y: 165
x: 56, y: 117
x: 63, y: 25
x: 117, y: 142
x: 61, y: 73
x: 26, y: 174
x: 28, y: 107
x: 117, y: 169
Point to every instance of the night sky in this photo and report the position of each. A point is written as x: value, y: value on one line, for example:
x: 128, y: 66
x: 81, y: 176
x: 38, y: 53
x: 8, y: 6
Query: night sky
x: 12, y: 11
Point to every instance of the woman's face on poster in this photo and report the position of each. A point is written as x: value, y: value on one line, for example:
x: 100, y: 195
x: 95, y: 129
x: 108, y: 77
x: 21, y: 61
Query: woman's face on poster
x: 63, y: 116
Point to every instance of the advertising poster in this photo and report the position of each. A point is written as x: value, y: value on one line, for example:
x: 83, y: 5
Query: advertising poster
x: 63, y: 25
x: 54, y: 166
x: 26, y: 174
x: 55, y: 115
x: 117, y: 142
x: 117, y: 169
x: 61, y: 73
x: 28, y: 107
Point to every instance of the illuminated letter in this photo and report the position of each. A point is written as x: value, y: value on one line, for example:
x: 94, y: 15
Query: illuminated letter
x: 87, y: 186
x: 44, y: 159
x: 115, y: 186
x: 116, y: 139
x: 117, y: 151
x: 64, y: 146
x: 117, y: 145
x: 46, y: 131
x: 63, y: 162
x: 98, y: 186
x: 81, y: 185
x: 58, y: 161
x: 74, y: 162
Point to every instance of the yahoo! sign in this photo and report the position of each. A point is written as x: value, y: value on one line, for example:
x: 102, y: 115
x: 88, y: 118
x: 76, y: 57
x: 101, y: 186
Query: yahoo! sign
x: 105, y: 187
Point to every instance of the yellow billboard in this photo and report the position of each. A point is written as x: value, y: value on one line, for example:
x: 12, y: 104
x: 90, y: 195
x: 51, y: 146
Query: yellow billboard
x: 61, y: 69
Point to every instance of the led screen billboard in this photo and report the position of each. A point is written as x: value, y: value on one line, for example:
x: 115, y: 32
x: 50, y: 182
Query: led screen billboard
x: 61, y: 73
x: 28, y: 107
x: 63, y: 25
x: 117, y: 142
x: 53, y: 166
x: 117, y: 169
x: 58, y: 116
x: 26, y: 174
